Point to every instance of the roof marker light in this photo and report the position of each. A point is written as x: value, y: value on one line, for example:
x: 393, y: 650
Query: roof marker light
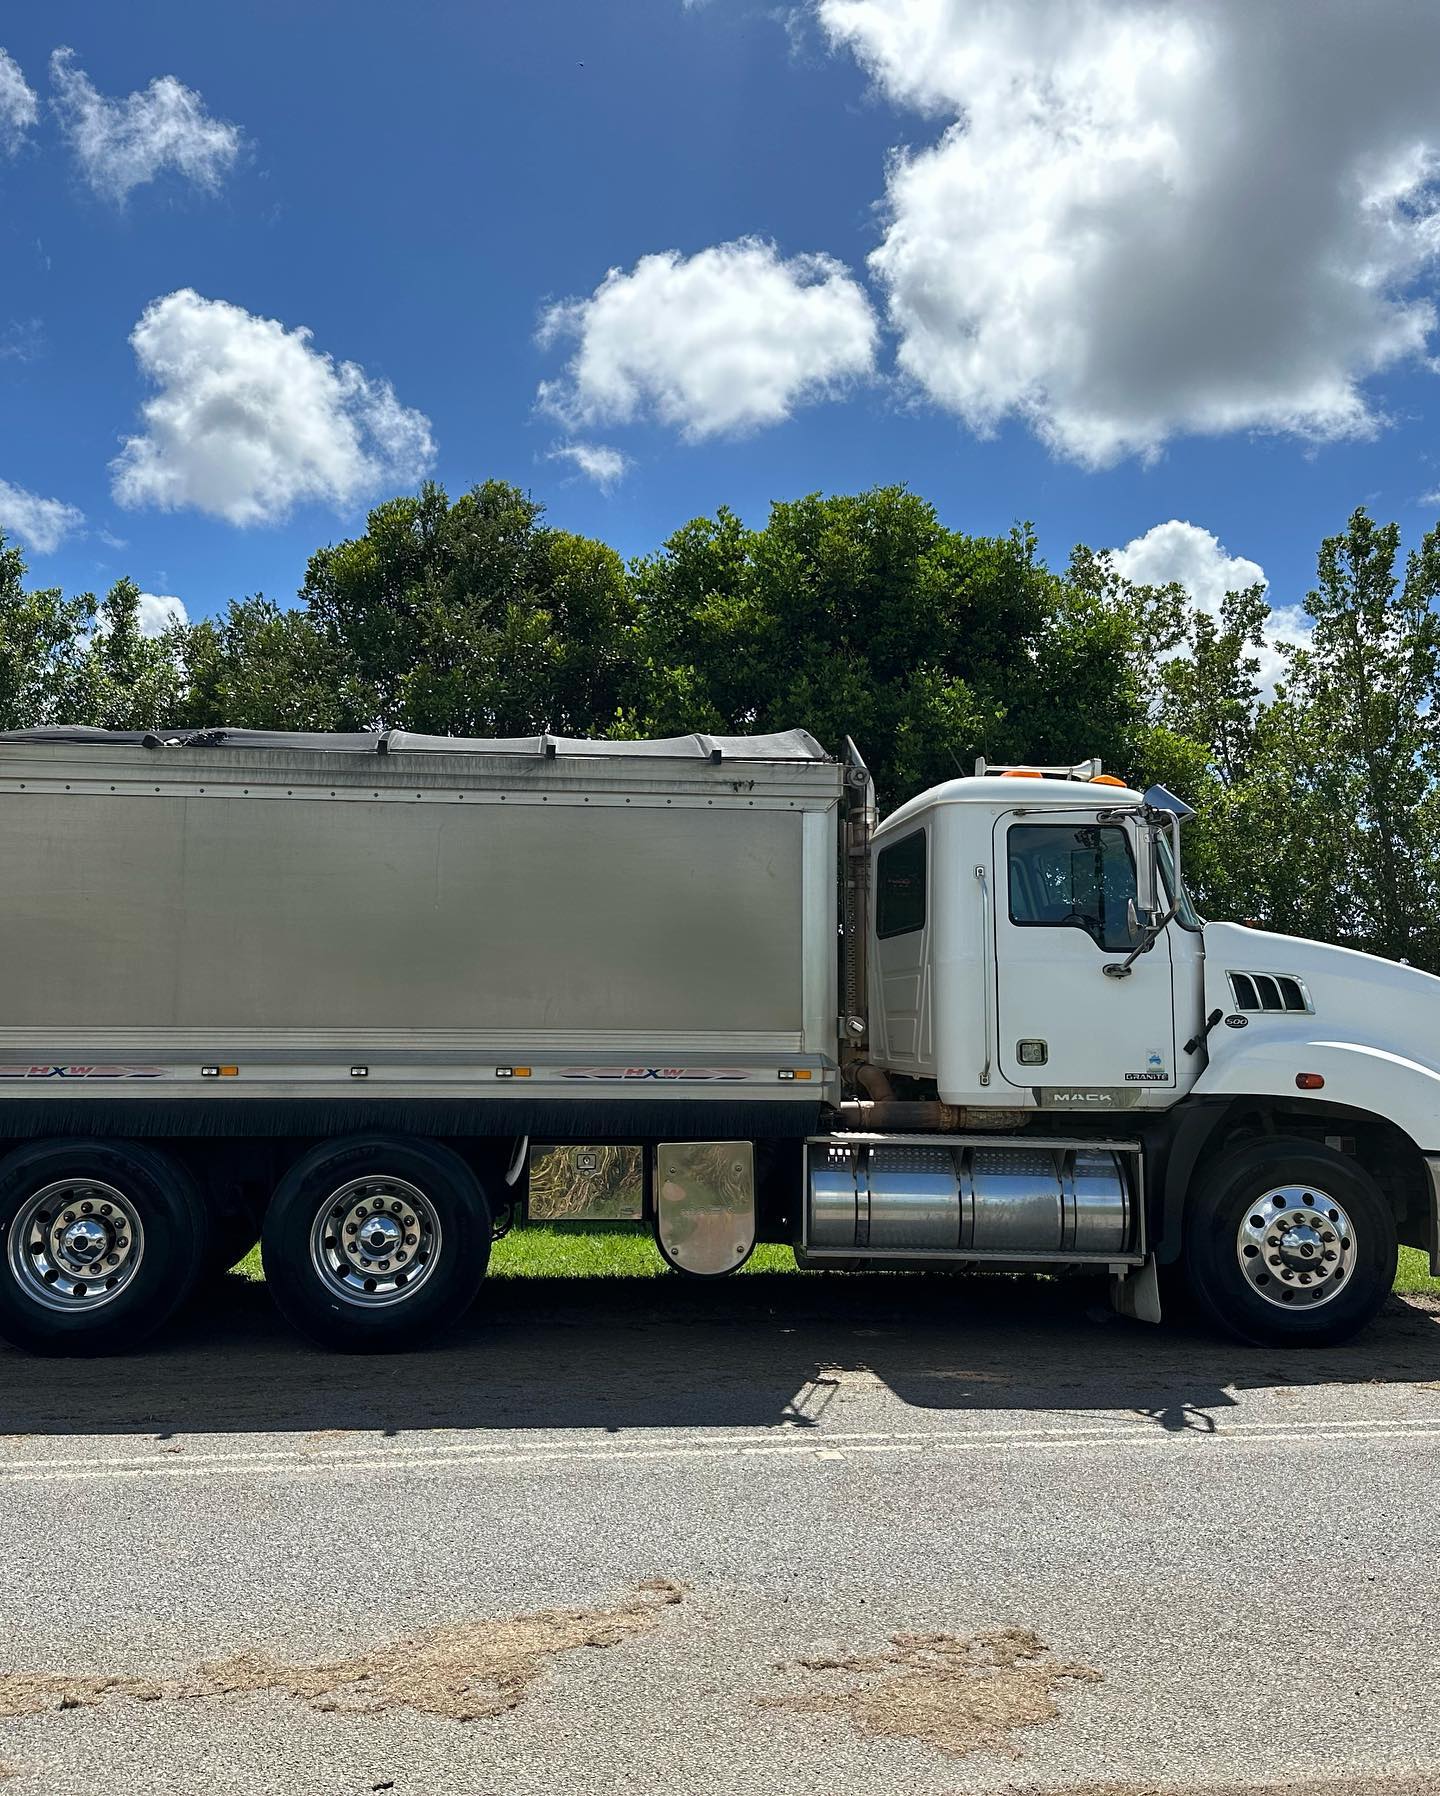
x: 1106, y: 779
x: 1022, y: 773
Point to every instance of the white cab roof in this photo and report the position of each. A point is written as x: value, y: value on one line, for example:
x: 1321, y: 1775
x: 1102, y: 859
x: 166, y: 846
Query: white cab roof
x: 1032, y: 794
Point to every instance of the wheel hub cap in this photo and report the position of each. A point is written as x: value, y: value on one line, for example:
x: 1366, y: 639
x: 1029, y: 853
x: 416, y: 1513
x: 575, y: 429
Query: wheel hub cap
x: 381, y: 1235
x: 75, y: 1244
x: 375, y: 1241
x: 1296, y: 1247
x: 85, y: 1240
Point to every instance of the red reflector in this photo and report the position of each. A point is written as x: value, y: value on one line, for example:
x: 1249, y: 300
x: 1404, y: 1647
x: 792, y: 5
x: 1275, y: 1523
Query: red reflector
x: 1310, y: 1081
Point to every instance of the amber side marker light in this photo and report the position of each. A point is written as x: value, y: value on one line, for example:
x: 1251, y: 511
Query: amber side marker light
x: 794, y: 1072
x: 1107, y: 779
x: 1310, y: 1081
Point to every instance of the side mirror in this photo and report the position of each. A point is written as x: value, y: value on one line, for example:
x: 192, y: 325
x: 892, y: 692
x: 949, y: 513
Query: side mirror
x: 1148, y: 896
x: 1157, y: 798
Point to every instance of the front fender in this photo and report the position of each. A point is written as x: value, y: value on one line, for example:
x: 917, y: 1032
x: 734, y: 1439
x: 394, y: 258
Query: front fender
x: 1403, y: 1091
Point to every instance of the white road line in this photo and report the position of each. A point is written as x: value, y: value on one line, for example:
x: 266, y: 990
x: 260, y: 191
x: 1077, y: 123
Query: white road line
x: 481, y: 1456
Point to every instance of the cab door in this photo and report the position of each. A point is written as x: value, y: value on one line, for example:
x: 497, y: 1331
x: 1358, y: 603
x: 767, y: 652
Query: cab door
x: 1065, y: 887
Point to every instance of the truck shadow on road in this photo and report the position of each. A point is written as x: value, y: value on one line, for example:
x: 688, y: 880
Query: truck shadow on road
x: 760, y: 1352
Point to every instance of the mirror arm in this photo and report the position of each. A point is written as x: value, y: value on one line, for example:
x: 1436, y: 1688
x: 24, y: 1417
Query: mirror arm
x: 1121, y: 969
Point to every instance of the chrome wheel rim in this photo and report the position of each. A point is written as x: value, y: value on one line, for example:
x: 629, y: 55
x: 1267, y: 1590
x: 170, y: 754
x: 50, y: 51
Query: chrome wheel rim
x: 375, y: 1241
x: 75, y: 1245
x: 1296, y: 1247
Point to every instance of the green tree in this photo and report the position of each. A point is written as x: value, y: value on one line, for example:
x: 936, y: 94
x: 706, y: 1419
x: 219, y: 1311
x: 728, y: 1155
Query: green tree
x: 1317, y: 803
x: 126, y: 680
x: 471, y: 619
x: 259, y: 667
x: 864, y: 616
x: 1363, y: 742
x: 42, y: 647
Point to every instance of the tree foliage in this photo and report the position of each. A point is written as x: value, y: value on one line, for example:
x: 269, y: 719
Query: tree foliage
x: 864, y: 616
x: 858, y: 615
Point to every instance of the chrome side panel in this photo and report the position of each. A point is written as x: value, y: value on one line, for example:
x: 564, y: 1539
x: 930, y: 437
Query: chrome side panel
x: 640, y: 926
x: 705, y: 1204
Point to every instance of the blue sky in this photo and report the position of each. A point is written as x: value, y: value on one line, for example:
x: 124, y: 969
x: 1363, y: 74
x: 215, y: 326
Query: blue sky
x: 1208, y: 306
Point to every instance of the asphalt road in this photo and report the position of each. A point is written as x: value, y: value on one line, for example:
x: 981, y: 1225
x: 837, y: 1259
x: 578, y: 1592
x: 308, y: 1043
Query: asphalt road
x: 1220, y: 1562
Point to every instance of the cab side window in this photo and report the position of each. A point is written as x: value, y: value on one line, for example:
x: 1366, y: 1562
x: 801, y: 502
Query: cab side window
x: 900, y: 887
x: 1072, y: 876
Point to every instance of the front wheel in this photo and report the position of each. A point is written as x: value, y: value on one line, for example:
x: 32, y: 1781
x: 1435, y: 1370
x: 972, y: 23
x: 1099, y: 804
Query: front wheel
x: 1288, y: 1243
x: 377, y: 1243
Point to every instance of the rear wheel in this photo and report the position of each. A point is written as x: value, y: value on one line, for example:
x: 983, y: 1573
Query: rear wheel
x: 377, y: 1243
x: 1288, y: 1243
x: 102, y: 1243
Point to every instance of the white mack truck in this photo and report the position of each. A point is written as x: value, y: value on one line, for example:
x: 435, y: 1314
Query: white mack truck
x: 335, y: 991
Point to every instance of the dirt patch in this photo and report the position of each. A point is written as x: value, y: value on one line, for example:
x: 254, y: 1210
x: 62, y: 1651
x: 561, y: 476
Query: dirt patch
x: 466, y: 1671
x: 962, y: 1696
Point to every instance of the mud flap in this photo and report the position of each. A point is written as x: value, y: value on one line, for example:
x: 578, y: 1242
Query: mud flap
x: 1136, y: 1293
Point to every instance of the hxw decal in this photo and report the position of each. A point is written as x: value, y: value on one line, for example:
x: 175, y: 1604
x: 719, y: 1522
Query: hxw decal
x: 688, y: 1075
x: 82, y: 1072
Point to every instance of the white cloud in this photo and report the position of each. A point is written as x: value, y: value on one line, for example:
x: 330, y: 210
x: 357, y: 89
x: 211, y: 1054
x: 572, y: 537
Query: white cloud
x: 41, y: 524
x: 18, y: 107
x: 596, y: 461
x: 249, y: 420
x: 158, y: 612
x: 1196, y: 559
x: 1146, y: 217
x: 713, y: 344
x: 122, y: 144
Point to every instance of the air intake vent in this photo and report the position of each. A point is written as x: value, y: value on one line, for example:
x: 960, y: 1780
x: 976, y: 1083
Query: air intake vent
x: 1269, y: 992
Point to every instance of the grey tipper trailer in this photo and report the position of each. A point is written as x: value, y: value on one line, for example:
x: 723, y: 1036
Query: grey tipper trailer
x: 232, y: 954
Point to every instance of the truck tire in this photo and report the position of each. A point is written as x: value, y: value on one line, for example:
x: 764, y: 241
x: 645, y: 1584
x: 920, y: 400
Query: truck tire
x: 102, y: 1242
x: 1288, y: 1243
x: 376, y: 1243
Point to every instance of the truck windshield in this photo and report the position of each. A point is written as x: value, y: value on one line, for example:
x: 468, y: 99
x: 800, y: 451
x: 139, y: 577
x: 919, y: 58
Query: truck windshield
x: 1185, y: 913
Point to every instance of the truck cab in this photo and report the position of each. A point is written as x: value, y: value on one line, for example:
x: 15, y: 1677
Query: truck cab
x: 1118, y: 1081
x: 1006, y: 912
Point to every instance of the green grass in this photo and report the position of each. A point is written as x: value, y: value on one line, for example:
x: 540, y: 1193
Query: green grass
x: 606, y: 1250
x: 599, y: 1250
x: 1412, y: 1276
x: 625, y: 1250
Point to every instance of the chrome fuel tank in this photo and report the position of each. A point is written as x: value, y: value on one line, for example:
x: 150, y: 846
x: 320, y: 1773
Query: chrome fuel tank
x: 869, y: 1196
